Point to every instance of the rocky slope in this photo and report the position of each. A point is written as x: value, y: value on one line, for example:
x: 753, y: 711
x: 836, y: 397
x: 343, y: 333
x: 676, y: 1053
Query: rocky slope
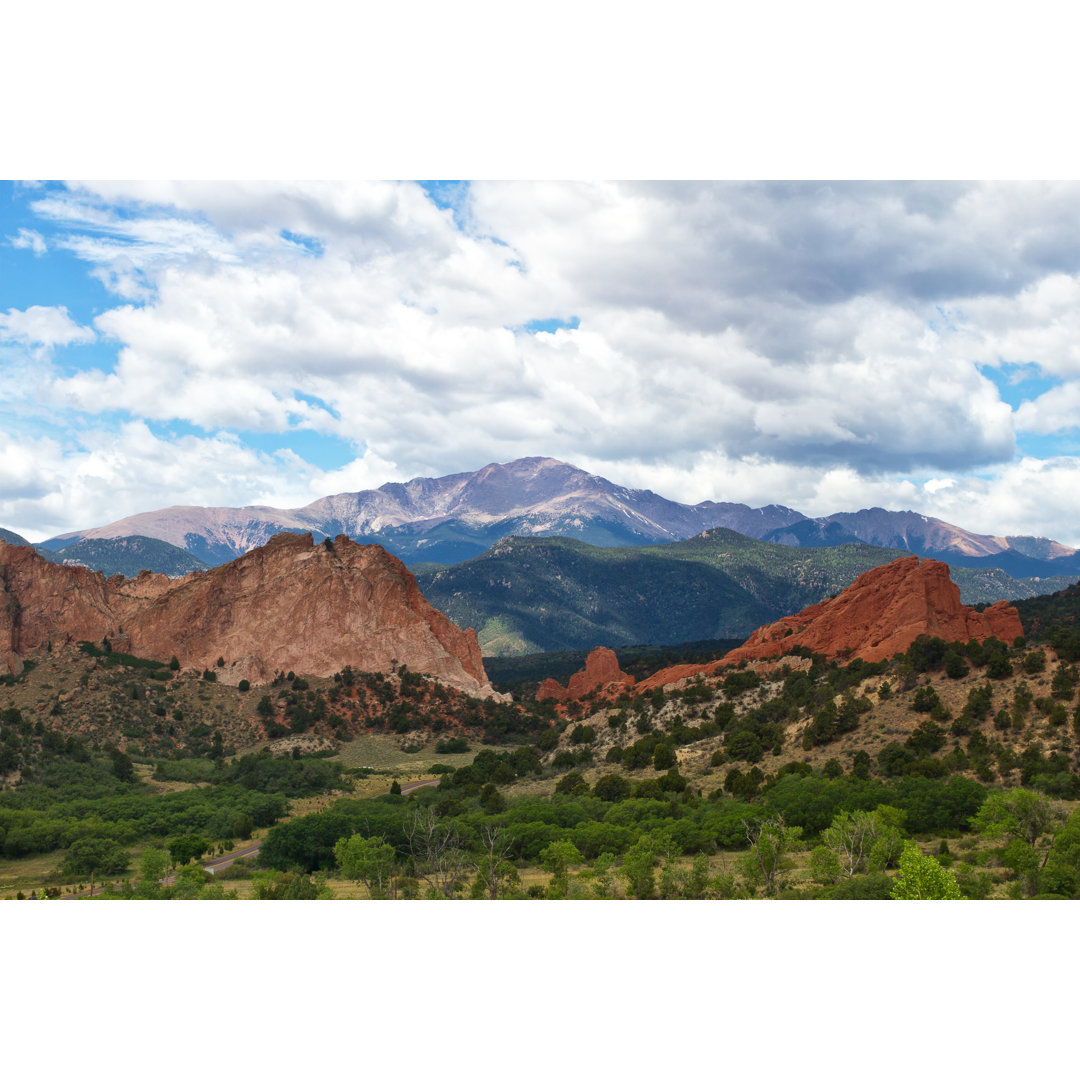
x: 289, y: 605
x: 881, y: 613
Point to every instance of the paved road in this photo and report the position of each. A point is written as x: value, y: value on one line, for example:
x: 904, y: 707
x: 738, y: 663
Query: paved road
x: 215, y: 864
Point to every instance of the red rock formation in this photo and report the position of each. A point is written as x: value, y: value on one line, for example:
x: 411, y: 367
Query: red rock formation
x: 289, y: 605
x: 881, y: 613
x: 601, y: 672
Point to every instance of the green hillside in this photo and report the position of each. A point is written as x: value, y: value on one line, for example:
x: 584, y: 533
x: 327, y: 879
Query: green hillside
x: 547, y: 594
x: 13, y: 538
x: 127, y: 555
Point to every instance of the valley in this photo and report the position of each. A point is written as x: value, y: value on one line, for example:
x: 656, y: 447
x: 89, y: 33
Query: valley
x: 946, y: 766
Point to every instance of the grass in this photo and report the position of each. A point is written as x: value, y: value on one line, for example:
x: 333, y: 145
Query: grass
x: 378, y: 751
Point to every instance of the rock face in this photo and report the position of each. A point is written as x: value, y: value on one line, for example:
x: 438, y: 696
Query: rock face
x: 601, y: 672
x: 289, y: 605
x: 881, y: 613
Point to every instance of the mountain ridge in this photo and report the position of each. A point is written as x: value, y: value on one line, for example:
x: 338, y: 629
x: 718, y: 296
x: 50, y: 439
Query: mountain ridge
x: 447, y: 519
x: 537, y: 594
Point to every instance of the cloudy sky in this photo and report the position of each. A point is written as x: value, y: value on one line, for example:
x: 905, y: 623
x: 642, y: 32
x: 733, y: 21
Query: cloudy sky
x: 828, y: 346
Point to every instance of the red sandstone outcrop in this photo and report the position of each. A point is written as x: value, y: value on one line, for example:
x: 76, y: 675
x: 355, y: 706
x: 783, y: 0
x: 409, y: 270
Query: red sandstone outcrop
x: 881, y: 613
x: 601, y: 672
x: 289, y: 605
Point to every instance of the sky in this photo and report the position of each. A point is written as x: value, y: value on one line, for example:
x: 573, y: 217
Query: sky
x: 827, y: 346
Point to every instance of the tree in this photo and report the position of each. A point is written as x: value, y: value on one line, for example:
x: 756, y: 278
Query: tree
x: 604, y: 877
x: 771, y: 844
x: 367, y: 859
x: 185, y: 848
x: 923, y: 878
x: 612, y: 788
x: 557, y: 858
x: 638, y: 868
x: 850, y: 837
x: 496, y: 874
x: 438, y: 854
x: 664, y: 756
x: 123, y: 769
x: 824, y: 865
x: 1017, y: 812
x: 93, y: 855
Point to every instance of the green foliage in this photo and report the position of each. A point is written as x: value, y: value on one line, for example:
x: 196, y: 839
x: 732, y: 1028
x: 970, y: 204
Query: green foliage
x: 573, y: 783
x: 185, y: 848
x: 664, y: 756
x: 612, y: 788
x: 94, y: 856
x: 369, y: 860
x: 922, y: 878
x: 824, y: 865
x: 542, y: 589
x: 456, y: 745
x: 557, y: 858
x: 1035, y: 662
x: 771, y: 843
x: 638, y: 868
x: 927, y: 738
x: 1016, y: 813
x: 289, y: 886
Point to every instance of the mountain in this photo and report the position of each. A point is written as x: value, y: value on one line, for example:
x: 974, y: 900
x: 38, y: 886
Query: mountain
x: 1019, y: 556
x: 878, y: 615
x: 13, y: 538
x: 546, y: 594
x: 127, y: 555
x: 289, y: 605
x: 451, y: 518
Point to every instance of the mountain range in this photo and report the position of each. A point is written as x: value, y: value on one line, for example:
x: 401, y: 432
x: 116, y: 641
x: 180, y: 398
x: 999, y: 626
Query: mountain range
x: 452, y: 518
x: 538, y: 594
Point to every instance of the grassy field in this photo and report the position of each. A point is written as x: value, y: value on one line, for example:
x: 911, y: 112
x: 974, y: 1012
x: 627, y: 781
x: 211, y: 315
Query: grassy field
x: 384, y: 752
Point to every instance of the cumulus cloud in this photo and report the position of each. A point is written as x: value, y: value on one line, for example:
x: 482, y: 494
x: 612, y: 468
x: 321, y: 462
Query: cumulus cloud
x: 47, y: 326
x: 49, y: 486
x: 754, y: 342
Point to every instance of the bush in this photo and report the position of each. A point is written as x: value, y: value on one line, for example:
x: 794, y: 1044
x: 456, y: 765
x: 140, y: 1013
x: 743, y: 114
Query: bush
x: 613, y: 788
x: 452, y: 746
x: 573, y: 783
x: 1035, y: 662
x: 664, y: 756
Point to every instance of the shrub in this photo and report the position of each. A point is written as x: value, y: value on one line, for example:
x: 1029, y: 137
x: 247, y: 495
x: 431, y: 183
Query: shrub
x: 613, y: 788
x: 1035, y: 662
x: 452, y: 746
x: 664, y: 756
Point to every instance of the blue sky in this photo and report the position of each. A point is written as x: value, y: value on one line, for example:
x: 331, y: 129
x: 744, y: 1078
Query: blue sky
x: 826, y: 346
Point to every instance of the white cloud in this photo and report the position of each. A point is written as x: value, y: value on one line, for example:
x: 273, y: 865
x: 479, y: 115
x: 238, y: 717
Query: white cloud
x: 29, y: 238
x: 49, y: 487
x: 46, y: 326
x: 756, y: 342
